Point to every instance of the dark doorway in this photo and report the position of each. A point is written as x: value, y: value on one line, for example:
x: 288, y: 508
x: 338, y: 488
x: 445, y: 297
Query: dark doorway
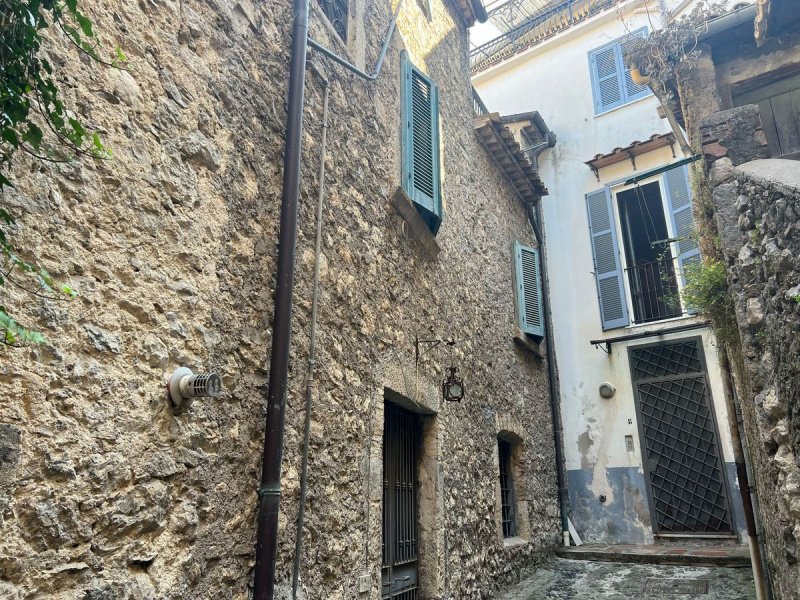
x: 651, y: 268
x: 681, y: 455
x: 401, y: 435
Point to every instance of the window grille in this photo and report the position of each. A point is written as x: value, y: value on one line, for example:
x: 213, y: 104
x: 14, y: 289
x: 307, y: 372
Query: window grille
x: 337, y: 12
x: 509, y: 516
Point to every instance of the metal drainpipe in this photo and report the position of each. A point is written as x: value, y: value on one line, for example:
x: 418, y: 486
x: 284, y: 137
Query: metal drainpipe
x: 534, y: 216
x: 756, y: 562
x: 270, y: 490
x: 298, y: 541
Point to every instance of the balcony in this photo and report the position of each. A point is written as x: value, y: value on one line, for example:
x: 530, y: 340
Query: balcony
x: 654, y: 290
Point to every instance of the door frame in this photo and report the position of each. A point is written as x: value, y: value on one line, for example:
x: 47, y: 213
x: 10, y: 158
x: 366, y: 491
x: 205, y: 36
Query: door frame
x: 643, y: 446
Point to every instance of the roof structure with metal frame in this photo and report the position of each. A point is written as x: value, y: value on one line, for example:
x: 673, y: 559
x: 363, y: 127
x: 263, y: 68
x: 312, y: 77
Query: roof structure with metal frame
x: 525, y: 23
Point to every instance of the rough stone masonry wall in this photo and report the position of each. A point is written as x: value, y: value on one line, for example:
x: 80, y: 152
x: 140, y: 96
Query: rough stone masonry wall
x: 757, y: 211
x: 104, y: 493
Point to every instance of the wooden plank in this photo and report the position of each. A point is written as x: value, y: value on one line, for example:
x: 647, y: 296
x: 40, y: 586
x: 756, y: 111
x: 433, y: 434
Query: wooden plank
x: 785, y: 123
x: 755, y: 96
x: 768, y: 125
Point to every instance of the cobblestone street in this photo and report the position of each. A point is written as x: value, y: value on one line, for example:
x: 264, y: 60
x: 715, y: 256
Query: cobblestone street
x: 564, y: 579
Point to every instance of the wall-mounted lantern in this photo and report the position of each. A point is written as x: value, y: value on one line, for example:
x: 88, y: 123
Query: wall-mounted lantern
x: 453, y: 386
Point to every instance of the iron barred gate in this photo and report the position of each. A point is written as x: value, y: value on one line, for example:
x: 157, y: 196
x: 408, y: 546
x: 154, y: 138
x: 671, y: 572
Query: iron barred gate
x: 400, y: 438
x: 682, y: 459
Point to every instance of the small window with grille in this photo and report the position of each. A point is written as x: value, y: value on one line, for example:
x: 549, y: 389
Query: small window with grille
x: 507, y: 500
x: 337, y: 12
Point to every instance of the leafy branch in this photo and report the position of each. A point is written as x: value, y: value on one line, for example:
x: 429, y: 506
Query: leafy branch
x: 35, y: 120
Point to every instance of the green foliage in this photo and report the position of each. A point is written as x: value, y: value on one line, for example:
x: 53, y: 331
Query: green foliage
x: 706, y: 292
x: 35, y: 120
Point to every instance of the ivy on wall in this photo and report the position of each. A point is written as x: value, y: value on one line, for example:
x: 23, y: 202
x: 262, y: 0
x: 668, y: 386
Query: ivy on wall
x: 34, y: 120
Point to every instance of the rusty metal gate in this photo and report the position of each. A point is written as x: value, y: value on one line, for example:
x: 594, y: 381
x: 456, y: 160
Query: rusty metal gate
x: 682, y: 461
x: 400, y: 438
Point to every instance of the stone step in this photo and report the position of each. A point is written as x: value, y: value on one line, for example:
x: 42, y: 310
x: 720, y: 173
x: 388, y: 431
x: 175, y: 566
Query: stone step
x: 672, y: 554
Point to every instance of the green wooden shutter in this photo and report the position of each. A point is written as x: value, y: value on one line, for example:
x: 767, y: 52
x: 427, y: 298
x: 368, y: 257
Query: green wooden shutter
x: 679, y: 203
x: 528, y: 284
x: 420, y: 120
x: 607, y: 268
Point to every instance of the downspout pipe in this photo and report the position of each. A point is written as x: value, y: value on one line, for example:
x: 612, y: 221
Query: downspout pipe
x: 535, y: 218
x: 312, y: 346
x: 756, y: 563
x: 269, y: 493
x: 350, y: 66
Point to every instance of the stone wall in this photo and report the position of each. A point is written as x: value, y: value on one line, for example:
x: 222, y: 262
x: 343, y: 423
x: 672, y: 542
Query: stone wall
x: 757, y: 213
x: 104, y: 492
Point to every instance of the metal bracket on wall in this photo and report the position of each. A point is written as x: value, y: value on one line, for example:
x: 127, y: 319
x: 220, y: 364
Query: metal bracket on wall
x: 431, y: 344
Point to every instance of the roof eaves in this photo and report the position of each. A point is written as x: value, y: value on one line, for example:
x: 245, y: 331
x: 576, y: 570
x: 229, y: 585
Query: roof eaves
x: 502, y: 146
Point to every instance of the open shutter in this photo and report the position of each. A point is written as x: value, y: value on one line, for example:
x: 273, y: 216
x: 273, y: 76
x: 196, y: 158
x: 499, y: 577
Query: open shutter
x: 528, y: 282
x: 420, y: 104
x: 679, y: 203
x: 605, y: 72
x: 607, y: 268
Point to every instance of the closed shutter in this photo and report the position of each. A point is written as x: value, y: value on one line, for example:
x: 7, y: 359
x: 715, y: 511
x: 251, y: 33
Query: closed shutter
x: 605, y: 79
x: 528, y: 283
x: 420, y: 120
x: 632, y: 89
x: 612, y: 84
x: 607, y: 268
x: 679, y: 202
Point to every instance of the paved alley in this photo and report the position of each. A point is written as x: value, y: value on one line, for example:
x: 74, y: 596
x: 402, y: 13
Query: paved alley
x: 564, y: 579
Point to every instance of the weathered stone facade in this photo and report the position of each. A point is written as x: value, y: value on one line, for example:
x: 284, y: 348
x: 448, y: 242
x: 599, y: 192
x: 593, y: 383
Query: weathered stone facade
x: 757, y: 212
x: 104, y: 492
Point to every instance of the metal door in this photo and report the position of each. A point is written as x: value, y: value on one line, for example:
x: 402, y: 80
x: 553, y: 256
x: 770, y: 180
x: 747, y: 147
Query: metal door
x: 400, y: 437
x: 682, y: 462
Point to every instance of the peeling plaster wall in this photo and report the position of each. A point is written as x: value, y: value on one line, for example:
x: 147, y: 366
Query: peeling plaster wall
x: 104, y: 493
x: 554, y: 76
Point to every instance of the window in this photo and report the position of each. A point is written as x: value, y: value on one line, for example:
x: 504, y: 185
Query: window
x: 528, y: 287
x: 507, y: 500
x: 612, y: 85
x: 337, y: 13
x: 420, y: 138
x: 656, y: 241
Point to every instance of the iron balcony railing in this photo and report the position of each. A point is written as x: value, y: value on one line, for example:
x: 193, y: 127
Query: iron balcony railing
x: 477, y: 104
x: 654, y: 290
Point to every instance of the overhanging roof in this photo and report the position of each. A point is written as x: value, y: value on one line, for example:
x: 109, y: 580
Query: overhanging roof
x: 631, y: 151
x: 502, y: 145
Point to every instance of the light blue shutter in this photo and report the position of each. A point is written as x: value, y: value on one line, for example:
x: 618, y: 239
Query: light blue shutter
x: 679, y: 203
x: 420, y: 121
x: 605, y: 72
x: 607, y: 269
x: 528, y: 282
x: 633, y: 90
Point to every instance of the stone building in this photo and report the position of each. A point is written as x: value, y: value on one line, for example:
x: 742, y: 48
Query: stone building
x: 738, y: 100
x: 648, y: 449
x: 105, y: 492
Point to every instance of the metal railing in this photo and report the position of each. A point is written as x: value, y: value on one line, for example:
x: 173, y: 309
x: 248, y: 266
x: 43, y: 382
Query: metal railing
x: 477, y: 104
x: 654, y: 290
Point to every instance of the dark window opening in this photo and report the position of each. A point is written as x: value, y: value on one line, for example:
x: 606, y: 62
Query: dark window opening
x: 337, y: 13
x: 651, y: 266
x: 507, y: 502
